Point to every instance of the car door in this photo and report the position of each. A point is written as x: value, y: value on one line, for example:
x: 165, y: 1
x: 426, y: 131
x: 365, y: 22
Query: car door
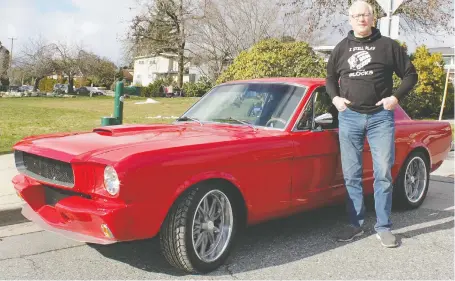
x: 316, y: 169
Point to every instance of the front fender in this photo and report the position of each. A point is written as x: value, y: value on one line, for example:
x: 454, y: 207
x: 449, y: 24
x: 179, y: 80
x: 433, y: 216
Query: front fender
x: 198, y: 178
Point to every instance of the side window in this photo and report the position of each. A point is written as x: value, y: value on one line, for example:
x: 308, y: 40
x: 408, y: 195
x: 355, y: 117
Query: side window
x: 321, y: 104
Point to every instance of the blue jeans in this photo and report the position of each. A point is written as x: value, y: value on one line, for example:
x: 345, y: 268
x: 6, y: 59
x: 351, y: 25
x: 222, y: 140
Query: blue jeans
x: 379, y: 128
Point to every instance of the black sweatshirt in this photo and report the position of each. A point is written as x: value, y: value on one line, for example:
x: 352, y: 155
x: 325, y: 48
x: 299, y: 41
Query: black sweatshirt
x: 366, y: 66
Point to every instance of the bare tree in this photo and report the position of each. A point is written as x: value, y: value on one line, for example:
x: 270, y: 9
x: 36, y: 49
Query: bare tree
x: 19, y: 73
x: 162, y: 27
x: 36, y: 60
x: 432, y: 17
x: 69, y: 60
x: 304, y: 24
x: 230, y: 27
x: 100, y: 70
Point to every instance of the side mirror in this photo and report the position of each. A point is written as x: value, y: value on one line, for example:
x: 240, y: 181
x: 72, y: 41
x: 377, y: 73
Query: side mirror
x: 325, y: 118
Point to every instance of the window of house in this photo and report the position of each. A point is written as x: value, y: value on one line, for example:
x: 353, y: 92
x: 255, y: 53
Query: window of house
x: 447, y: 60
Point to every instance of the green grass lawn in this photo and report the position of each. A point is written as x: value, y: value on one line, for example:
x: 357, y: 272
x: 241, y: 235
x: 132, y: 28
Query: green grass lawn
x: 21, y: 117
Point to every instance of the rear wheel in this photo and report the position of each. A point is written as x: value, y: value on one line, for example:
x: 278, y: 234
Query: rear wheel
x: 198, y: 232
x: 413, y: 181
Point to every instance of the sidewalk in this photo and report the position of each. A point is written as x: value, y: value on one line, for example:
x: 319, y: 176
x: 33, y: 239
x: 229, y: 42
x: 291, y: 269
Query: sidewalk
x: 10, y: 203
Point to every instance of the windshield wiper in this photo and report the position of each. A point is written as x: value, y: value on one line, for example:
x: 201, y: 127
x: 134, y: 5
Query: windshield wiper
x: 186, y: 118
x: 238, y: 121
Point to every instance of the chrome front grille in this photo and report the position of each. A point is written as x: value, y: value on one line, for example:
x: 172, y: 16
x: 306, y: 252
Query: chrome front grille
x: 44, y: 169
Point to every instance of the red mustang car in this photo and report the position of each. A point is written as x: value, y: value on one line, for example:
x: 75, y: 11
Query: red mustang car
x: 247, y: 152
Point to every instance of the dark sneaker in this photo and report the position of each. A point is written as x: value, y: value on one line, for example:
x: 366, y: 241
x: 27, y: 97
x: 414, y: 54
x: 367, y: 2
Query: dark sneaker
x: 387, y: 239
x: 349, y: 233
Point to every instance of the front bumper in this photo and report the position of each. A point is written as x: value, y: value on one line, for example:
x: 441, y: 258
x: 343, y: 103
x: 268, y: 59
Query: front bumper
x: 81, y: 218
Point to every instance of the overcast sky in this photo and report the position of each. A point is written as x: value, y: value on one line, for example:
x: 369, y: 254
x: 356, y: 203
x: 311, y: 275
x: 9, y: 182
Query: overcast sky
x: 96, y: 24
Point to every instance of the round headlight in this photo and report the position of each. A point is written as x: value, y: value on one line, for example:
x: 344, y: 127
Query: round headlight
x: 111, y: 181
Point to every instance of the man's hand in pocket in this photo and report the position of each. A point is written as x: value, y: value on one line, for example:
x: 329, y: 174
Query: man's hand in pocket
x: 388, y: 103
x: 340, y: 103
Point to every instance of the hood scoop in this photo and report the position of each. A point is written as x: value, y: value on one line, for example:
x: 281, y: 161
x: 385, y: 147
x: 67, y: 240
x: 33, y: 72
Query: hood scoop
x: 117, y: 130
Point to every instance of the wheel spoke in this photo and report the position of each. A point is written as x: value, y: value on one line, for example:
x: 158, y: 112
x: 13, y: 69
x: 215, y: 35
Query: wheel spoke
x: 204, y: 245
x: 412, y: 168
x: 205, y: 207
x: 216, y: 215
x: 223, y: 203
x: 409, y: 171
x: 416, y: 167
x: 409, y: 192
x: 415, y: 192
x: 199, y: 240
x: 211, y: 237
x: 212, y: 209
x: 197, y: 228
x: 200, y: 211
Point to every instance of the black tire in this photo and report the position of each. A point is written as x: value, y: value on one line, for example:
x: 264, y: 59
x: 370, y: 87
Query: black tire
x: 401, y: 200
x: 176, y: 235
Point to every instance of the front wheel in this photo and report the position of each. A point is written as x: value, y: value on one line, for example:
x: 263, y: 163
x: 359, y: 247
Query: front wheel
x: 413, y: 180
x: 198, y: 232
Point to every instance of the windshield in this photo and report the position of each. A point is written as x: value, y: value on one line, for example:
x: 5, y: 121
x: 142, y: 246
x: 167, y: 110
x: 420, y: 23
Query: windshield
x: 259, y: 104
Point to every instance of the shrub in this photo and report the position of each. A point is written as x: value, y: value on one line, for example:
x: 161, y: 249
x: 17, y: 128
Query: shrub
x: 47, y: 84
x: 274, y: 58
x: 197, y: 89
x: 425, y: 99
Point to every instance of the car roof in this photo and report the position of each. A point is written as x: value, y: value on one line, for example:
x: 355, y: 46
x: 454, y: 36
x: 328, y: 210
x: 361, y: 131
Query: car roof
x: 291, y: 80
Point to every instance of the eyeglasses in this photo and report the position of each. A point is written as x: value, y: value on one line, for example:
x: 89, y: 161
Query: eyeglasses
x: 357, y: 16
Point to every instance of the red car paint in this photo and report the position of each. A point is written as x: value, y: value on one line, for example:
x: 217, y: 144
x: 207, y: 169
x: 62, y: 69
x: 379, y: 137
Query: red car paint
x: 278, y: 172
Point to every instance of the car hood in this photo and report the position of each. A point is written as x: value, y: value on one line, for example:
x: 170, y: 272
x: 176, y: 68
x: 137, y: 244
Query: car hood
x: 77, y: 147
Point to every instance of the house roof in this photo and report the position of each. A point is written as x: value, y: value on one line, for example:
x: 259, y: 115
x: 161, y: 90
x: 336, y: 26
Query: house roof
x: 127, y: 74
x: 167, y: 55
x: 443, y: 50
x: 323, y: 48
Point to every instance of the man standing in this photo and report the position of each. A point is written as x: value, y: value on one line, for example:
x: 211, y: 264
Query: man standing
x: 364, y: 62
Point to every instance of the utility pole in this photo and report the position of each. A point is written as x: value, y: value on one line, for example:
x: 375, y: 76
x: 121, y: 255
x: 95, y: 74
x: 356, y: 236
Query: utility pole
x: 389, y: 18
x: 12, y: 44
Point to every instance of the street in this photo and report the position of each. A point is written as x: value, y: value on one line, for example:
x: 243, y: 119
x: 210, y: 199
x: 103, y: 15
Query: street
x: 300, y: 247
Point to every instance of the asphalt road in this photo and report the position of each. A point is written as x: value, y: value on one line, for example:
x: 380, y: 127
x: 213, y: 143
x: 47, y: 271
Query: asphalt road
x: 300, y: 247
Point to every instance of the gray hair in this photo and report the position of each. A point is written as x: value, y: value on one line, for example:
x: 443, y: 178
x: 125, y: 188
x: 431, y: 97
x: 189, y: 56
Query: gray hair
x: 359, y: 2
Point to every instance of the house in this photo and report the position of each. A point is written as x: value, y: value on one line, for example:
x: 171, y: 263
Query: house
x: 147, y: 69
x: 60, y: 76
x: 324, y: 51
x: 448, y: 55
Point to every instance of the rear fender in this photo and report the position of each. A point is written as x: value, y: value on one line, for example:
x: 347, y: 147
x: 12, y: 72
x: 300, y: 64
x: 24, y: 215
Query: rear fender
x: 420, y: 145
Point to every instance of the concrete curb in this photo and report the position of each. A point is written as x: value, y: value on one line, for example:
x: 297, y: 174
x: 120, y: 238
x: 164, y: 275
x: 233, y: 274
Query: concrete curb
x: 442, y: 179
x: 12, y: 216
